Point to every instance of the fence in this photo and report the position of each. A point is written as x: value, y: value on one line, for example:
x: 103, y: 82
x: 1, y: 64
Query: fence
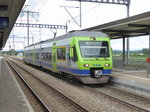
x: 132, y: 63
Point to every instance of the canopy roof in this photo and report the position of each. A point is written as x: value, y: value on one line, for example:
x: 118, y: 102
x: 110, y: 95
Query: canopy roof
x: 9, y: 9
x: 137, y: 25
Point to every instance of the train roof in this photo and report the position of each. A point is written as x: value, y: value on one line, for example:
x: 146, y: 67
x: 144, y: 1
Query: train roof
x: 80, y: 34
x: 74, y: 34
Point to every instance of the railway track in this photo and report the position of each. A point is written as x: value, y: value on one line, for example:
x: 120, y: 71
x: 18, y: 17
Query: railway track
x: 120, y: 101
x: 142, y: 98
x: 128, y: 104
x: 25, y: 82
x: 76, y: 107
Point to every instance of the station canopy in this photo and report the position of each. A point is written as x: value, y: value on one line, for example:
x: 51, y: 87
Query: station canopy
x: 138, y: 25
x: 9, y: 11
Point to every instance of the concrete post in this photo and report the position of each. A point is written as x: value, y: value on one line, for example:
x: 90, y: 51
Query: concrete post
x: 148, y: 69
x: 148, y: 63
x: 28, y: 27
x: 123, y: 52
x: 0, y: 68
x: 128, y: 40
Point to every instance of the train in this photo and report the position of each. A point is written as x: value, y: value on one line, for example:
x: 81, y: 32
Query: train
x: 83, y: 55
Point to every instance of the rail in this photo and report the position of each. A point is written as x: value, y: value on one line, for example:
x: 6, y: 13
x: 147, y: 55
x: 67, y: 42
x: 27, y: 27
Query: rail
x: 82, y: 109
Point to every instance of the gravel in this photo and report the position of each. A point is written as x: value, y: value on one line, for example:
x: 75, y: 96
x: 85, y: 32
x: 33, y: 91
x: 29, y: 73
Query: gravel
x: 31, y: 98
x: 51, y: 99
x: 125, y: 97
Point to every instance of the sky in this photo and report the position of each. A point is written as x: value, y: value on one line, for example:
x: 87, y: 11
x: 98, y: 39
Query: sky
x: 53, y: 12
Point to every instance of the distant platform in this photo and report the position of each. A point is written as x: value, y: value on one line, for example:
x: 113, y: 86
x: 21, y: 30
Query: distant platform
x: 138, y: 80
x: 12, y: 98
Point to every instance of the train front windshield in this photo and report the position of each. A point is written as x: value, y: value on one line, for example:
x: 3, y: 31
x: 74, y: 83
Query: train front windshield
x: 96, y: 49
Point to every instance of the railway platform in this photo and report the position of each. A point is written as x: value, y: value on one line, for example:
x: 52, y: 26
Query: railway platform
x: 136, y: 81
x: 12, y: 98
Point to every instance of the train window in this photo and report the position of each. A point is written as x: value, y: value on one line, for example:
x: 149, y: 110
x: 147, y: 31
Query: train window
x: 27, y: 54
x: 61, y: 53
x: 30, y: 54
x: 90, y: 49
x: 50, y: 56
x: 35, y: 55
x: 43, y: 56
x: 75, y: 57
x: 47, y: 56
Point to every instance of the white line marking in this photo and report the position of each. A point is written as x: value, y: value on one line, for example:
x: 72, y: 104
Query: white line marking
x: 132, y: 76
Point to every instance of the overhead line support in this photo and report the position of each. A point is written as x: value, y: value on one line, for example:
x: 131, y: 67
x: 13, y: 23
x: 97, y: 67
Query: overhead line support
x: 41, y: 26
x: 28, y: 15
x: 119, y: 2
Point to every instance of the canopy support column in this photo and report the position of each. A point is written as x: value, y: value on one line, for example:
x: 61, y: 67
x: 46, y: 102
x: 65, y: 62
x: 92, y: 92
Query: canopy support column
x: 149, y: 44
x: 148, y: 63
x: 123, y: 57
x: 128, y: 40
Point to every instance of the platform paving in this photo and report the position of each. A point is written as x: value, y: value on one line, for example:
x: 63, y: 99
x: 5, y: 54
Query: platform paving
x: 138, y: 81
x: 12, y: 98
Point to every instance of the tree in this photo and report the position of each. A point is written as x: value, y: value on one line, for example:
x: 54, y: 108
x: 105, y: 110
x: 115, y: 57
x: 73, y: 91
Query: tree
x: 13, y: 52
x: 145, y: 51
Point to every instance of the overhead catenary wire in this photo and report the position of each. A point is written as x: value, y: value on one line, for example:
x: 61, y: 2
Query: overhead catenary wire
x: 42, y: 5
x: 36, y: 4
x: 85, y: 12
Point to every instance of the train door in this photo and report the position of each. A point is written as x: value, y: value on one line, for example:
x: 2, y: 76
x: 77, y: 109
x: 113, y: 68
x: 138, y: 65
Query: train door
x: 54, y: 54
x: 73, y: 57
x: 33, y: 56
x: 40, y: 54
x: 68, y: 56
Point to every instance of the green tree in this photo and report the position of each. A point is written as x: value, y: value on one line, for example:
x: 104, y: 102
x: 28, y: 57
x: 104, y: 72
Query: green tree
x: 13, y: 52
x: 145, y: 51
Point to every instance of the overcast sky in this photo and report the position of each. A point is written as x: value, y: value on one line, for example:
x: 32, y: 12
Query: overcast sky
x: 52, y: 12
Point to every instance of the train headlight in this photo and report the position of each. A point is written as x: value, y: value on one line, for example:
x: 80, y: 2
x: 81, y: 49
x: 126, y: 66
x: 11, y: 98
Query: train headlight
x: 86, y: 65
x: 92, y: 38
x: 107, y: 65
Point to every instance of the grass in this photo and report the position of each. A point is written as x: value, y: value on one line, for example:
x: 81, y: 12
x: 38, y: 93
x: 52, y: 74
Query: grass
x: 131, y: 57
x: 134, y: 62
x: 138, y: 57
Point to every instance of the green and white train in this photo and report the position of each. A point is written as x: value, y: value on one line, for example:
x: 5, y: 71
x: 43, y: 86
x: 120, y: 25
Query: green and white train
x: 84, y: 55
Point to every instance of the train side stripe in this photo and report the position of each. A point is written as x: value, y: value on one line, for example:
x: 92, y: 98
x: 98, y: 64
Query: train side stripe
x: 74, y: 71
